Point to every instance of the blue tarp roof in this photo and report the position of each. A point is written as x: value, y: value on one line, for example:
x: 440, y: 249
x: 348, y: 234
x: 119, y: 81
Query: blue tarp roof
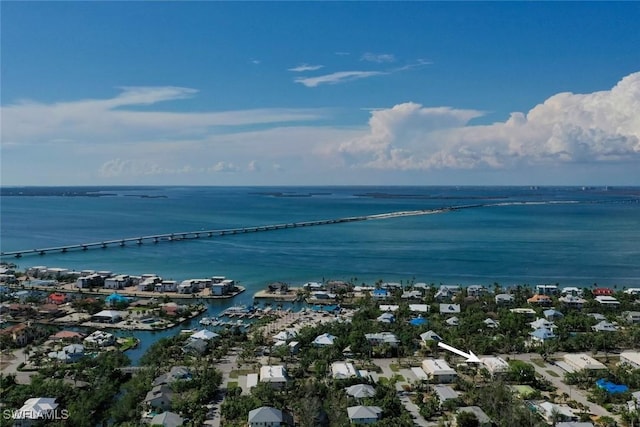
x: 418, y: 321
x: 610, y: 387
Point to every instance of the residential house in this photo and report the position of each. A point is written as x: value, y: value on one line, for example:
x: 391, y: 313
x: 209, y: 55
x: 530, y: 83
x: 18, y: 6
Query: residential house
x: 476, y: 291
x: 364, y: 414
x: 159, y: 397
x: 204, y: 335
x: 452, y: 321
x: 438, y: 370
x: 604, y: 326
x: 108, y: 316
x: 607, y: 301
x: 167, y: 419
x: 449, y: 308
x: 542, y: 324
x: 446, y: 293
x: 266, y: 416
x: 505, y: 299
x: 57, y: 298
x: 483, y: 419
x: 69, y: 354
x: 382, y: 338
x: 419, y: 308
x: 175, y: 374
x: 552, y: 314
x: 360, y: 391
x: 388, y: 307
x: 631, y: 316
x: 572, y: 301
x: 386, y: 318
x: 540, y: 299
x: 430, y: 336
x: 120, y: 281
x: 547, y: 289
x: 344, y: 370
x: 35, y: 411
x: 274, y: 375
x: 631, y: 358
x: 324, y: 340
x: 541, y: 335
x: 444, y: 393
x: 490, y: 323
x: 602, y: 292
x: 21, y: 334
x: 380, y: 294
x: 100, y: 339
x: 495, y: 365
x: 411, y: 295
x: 581, y: 361
x: 571, y: 290
x: 554, y: 413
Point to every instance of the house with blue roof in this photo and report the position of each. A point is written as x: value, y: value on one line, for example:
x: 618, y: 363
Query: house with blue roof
x: 542, y: 335
x: 380, y: 294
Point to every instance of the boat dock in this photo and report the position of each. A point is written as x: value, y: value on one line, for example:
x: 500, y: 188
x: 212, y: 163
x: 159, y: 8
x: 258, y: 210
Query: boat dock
x: 189, y: 235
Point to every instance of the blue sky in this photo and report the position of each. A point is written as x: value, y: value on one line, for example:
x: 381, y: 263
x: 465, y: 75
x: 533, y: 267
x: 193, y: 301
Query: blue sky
x: 313, y: 93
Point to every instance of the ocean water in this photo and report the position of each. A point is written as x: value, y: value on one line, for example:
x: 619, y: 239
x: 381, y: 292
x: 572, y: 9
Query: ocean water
x: 593, y: 239
x: 570, y: 236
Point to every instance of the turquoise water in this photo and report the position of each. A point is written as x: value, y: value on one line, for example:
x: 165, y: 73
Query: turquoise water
x: 596, y: 240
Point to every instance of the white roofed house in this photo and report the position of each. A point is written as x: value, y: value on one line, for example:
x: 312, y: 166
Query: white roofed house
x: 159, y: 397
x: 360, y: 391
x: 324, y: 340
x: 582, y: 361
x: 108, y: 316
x: 382, y: 338
x: 449, y: 308
x: 386, y: 318
x: 505, y: 299
x: 572, y: 301
x: 542, y: 324
x: 35, y: 411
x: 438, y: 370
x: 604, y: 326
x: 476, y: 290
x: 607, y: 301
x: 495, y: 365
x: 430, y: 336
x: 274, y: 375
x: 344, y: 370
x: 99, y: 339
x: 631, y: 358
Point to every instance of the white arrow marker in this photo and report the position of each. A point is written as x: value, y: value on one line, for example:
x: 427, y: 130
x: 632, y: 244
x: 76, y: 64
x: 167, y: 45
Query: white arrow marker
x: 471, y: 358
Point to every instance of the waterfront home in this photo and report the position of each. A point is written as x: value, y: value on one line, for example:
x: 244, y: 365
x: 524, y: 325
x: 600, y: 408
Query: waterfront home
x: 186, y: 287
x: 380, y: 294
x: 90, y: 281
x: 495, y: 365
x: 167, y: 419
x: 364, y: 414
x: 204, y: 335
x: 21, y: 334
x: 602, y: 292
x: 481, y: 416
x: 99, y: 339
x: 386, y: 318
x: 604, y: 326
x: 572, y: 301
x: 322, y: 296
x: 278, y: 288
x: 159, y: 397
x: 69, y: 354
x: 505, y: 299
x: 148, y: 282
x: 449, y: 308
x: 35, y: 411
x: 446, y: 293
x: 336, y: 286
x: 581, y: 361
x: 476, y: 291
x: 430, y: 336
x: 224, y: 287
x: 266, y: 416
x: 438, y: 370
x: 540, y: 299
x: 120, y: 281
x: 195, y: 347
x: 274, y: 375
x: 382, y: 338
x: 108, y: 316
x: 632, y: 291
x: 324, y: 340
x: 572, y: 290
x: 176, y: 373
x: 360, y: 391
x: 67, y: 336
x: 166, y: 286
x: 547, y: 289
x: 344, y: 370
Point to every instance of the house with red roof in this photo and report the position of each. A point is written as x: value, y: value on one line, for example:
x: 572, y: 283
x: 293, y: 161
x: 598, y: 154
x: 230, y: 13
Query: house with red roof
x: 57, y: 298
x: 540, y: 299
x: 602, y: 292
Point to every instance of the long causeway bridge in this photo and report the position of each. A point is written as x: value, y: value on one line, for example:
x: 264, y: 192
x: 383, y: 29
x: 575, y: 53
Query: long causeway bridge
x: 188, y: 235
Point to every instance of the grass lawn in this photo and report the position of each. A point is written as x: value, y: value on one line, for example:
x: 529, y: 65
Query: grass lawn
x: 237, y: 372
x: 394, y: 367
x: 553, y: 374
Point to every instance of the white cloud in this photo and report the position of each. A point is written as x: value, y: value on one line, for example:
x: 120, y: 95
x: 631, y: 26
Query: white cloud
x: 223, y: 167
x: 378, y: 58
x: 338, y: 77
x: 253, y: 166
x: 136, y: 167
x: 566, y: 128
x: 109, y: 120
x: 305, y: 67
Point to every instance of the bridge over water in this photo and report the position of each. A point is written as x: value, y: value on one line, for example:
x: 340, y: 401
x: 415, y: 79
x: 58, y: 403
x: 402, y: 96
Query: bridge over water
x: 189, y: 235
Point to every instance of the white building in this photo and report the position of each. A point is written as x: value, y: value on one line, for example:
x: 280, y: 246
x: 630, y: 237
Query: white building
x: 35, y: 411
x: 607, y: 300
x: 275, y: 375
x: 495, y: 365
x: 630, y: 358
x: 438, y: 370
x: 343, y: 370
x: 582, y: 361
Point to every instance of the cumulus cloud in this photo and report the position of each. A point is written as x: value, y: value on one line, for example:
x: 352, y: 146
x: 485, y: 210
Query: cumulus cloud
x: 337, y: 77
x: 305, y: 67
x: 567, y: 127
x: 135, y: 167
x: 223, y: 167
x: 378, y: 58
